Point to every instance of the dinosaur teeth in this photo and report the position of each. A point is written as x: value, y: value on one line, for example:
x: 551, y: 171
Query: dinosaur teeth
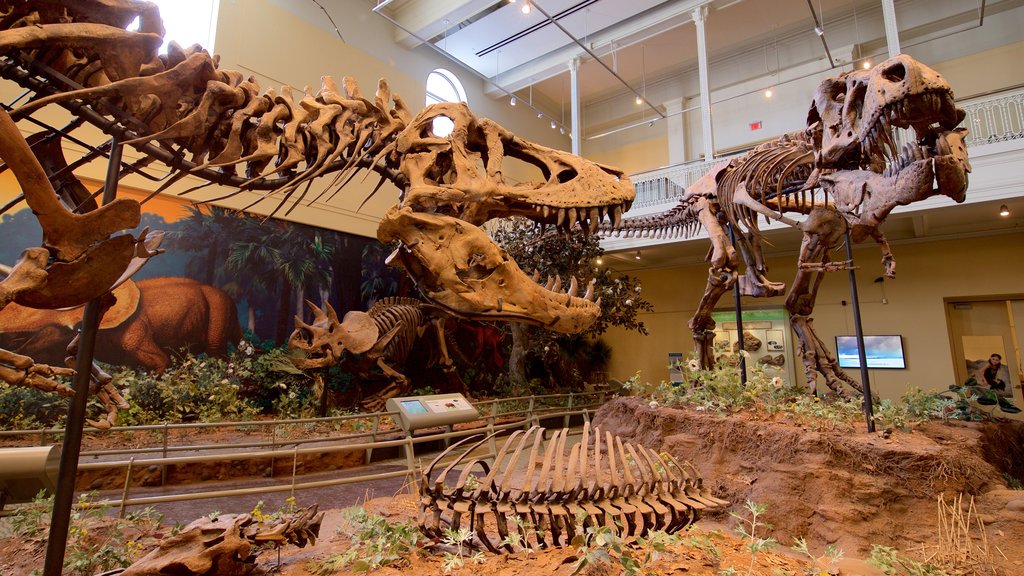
x: 573, y: 287
x: 558, y: 284
x: 550, y: 284
x: 616, y: 216
x: 501, y: 303
x: 536, y: 275
x: 589, y: 296
x: 546, y: 210
x: 561, y: 217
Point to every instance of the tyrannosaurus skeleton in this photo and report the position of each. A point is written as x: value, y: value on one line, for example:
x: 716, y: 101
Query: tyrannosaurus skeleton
x: 844, y: 172
x: 180, y: 109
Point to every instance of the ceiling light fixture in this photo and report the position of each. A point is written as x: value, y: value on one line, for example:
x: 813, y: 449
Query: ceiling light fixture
x: 540, y: 114
x: 1004, y: 210
x: 553, y: 125
x: 768, y: 93
x: 526, y: 8
x: 639, y: 100
x: 512, y: 101
x: 637, y: 255
x: 600, y: 261
x: 819, y: 31
x: 867, y: 64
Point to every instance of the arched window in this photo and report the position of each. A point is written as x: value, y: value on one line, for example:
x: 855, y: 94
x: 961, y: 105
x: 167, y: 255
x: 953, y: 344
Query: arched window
x: 443, y: 86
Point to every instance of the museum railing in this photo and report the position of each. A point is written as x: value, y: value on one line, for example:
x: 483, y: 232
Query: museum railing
x: 497, y: 416
x: 991, y: 118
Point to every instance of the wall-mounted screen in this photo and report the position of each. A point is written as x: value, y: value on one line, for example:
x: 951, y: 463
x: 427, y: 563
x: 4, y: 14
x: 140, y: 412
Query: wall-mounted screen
x: 881, y: 351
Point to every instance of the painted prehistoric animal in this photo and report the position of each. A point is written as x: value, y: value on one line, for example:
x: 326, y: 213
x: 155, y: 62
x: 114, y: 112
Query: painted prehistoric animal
x: 845, y: 172
x: 382, y: 337
x: 602, y: 480
x: 182, y: 110
x: 150, y: 320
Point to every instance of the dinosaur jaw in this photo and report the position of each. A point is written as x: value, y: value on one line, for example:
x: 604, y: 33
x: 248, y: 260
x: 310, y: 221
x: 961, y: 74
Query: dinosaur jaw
x: 458, y: 266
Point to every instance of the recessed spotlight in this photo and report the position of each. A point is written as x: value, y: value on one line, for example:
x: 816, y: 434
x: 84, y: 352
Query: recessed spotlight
x: 768, y: 93
x: 866, y: 65
x: 512, y: 101
x: 639, y: 100
x: 637, y: 255
x: 540, y: 114
x: 553, y: 125
x: 526, y: 8
x: 1004, y: 210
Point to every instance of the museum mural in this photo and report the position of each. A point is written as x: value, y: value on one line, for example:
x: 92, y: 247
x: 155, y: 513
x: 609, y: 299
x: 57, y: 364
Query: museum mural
x: 224, y: 276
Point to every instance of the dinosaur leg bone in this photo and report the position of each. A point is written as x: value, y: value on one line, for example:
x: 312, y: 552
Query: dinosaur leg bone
x: 823, y: 231
x: 721, y: 277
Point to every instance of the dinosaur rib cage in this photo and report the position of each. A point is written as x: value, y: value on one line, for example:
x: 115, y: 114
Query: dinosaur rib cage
x: 603, y: 481
x: 393, y: 311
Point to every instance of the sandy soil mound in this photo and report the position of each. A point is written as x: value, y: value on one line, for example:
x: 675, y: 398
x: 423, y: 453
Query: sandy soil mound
x: 853, y: 489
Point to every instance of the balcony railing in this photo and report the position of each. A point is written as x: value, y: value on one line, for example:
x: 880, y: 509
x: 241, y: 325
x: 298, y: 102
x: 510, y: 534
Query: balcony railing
x: 992, y: 118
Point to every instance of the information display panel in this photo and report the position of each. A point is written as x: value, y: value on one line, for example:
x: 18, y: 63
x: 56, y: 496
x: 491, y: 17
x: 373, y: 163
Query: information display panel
x: 416, y: 412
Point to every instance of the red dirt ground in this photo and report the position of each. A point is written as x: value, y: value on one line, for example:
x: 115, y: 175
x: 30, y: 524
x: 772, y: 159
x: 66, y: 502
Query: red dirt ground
x: 848, y: 488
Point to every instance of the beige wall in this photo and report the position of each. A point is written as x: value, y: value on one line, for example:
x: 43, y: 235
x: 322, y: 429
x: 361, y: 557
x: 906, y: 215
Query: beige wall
x: 927, y: 273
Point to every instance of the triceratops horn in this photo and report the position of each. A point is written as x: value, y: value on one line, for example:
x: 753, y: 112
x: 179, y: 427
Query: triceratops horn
x: 318, y: 314
x: 331, y: 314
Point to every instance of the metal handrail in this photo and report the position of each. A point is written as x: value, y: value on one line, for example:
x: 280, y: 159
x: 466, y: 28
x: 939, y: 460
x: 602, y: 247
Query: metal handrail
x: 531, y: 415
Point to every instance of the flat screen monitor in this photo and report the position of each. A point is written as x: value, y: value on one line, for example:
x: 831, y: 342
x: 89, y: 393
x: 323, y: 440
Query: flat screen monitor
x: 881, y: 352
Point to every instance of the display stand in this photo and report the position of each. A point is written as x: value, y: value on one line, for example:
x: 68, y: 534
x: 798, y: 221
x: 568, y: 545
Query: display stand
x: 739, y: 314
x: 865, y: 382
x: 60, y: 519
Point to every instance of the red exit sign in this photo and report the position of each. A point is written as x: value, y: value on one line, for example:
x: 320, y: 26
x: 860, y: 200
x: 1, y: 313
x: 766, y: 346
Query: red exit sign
x: 755, y: 125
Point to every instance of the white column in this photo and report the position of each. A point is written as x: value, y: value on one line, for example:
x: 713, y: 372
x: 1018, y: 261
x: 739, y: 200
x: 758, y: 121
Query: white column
x: 705, y: 93
x: 676, y: 127
x: 574, y: 103
x: 892, y: 34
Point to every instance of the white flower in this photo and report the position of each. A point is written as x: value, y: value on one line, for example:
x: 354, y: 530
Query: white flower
x: 637, y: 289
x: 628, y: 302
x: 653, y: 404
x: 203, y: 365
x: 777, y: 382
x: 282, y: 385
x: 744, y: 353
x: 693, y: 365
x: 224, y: 381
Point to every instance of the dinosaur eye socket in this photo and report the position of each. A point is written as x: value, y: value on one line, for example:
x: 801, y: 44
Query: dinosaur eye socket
x: 838, y: 92
x: 442, y: 126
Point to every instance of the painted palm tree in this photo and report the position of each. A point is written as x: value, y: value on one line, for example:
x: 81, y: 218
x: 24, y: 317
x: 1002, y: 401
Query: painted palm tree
x: 206, y: 233
x: 251, y: 261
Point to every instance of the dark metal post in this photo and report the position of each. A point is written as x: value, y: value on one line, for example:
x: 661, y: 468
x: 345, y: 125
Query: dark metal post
x: 739, y: 316
x: 861, y: 351
x: 60, y: 519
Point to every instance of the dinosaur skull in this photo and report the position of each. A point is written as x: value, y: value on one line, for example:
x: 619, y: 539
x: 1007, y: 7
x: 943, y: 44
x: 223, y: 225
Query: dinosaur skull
x: 326, y: 339
x: 457, y: 266
x: 853, y: 118
x: 456, y: 183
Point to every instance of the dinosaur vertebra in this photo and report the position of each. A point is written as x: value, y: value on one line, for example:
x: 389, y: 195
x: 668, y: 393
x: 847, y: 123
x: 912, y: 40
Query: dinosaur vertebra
x: 844, y: 172
x: 602, y: 481
x: 383, y: 337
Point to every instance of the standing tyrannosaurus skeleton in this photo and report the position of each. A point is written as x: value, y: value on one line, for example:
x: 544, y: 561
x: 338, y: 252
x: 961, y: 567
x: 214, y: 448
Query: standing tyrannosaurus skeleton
x: 182, y: 110
x: 843, y: 173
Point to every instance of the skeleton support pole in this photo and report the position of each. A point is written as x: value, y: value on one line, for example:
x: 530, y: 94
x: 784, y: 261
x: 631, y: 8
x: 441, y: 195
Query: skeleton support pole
x: 861, y: 351
x: 739, y: 317
x: 60, y: 519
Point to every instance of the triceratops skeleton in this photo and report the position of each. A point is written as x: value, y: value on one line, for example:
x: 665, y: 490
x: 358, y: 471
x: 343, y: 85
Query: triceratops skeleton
x: 383, y: 336
x: 602, y: 481
x: 182, y: 110
x: 848, y: 151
